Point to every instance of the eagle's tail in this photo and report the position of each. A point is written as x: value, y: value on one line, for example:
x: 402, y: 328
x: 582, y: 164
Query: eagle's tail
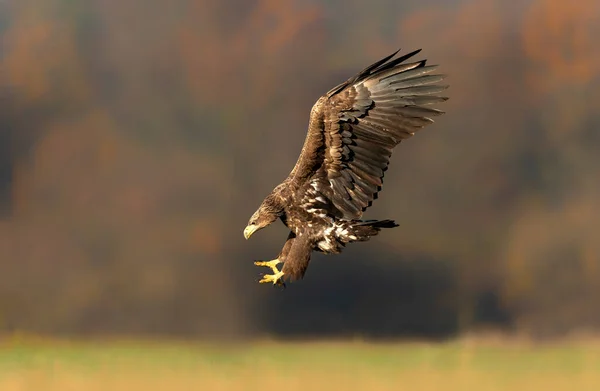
x: 378, y: 223
x: 363, y: 230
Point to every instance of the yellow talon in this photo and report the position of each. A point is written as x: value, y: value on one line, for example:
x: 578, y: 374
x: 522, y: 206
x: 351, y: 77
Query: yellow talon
x: 274, y: 278
x: 272, y: 264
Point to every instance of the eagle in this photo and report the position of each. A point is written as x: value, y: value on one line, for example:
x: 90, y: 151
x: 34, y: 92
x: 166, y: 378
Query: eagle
x: 352, y: 131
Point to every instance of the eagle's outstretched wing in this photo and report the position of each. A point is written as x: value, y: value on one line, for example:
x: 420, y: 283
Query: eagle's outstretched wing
x: 354, y: 128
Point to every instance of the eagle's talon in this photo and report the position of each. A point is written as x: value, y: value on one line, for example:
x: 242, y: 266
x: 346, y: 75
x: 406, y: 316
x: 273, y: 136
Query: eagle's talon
x: 273, y: 278
x: 270, y: 264
x: 277, y: 284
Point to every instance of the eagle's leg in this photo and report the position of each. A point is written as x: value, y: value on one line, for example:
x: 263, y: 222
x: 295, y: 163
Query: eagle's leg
x: 275, y: 278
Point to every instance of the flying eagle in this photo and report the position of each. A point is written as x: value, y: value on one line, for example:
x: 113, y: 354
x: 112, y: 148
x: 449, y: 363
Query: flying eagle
x: 351, y: 134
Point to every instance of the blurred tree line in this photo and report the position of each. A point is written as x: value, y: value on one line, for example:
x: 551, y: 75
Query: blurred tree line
x: 137, y: 138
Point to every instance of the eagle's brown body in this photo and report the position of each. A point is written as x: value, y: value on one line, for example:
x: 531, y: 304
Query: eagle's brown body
x: 352, y: 132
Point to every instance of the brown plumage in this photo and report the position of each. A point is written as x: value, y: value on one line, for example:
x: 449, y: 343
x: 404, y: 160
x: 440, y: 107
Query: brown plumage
x: 352, y: 132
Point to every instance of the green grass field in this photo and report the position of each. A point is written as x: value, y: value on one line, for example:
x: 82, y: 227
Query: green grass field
x: 461, y: 365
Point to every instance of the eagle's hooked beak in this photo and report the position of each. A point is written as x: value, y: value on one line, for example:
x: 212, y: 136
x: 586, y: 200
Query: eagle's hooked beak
x: 249, y: 230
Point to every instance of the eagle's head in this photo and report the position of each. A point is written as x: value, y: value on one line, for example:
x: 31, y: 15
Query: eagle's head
x: 266, y: 213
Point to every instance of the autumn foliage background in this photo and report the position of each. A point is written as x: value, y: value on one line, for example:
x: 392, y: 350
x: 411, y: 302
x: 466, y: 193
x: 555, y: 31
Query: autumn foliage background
x: 136, y: 138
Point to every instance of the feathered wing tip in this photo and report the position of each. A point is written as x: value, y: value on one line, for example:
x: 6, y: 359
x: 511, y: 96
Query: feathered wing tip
x: 376, y: 68
x: 375, y: 65
x: 395, y: 62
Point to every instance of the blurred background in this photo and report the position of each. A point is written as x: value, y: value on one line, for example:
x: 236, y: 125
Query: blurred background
x: 136, y: 139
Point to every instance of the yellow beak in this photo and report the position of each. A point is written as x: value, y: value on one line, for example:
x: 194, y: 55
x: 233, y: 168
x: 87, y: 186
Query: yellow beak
x: 249, y: 230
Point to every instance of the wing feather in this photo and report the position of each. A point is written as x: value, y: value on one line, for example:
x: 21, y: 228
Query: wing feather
x: 354, y: 128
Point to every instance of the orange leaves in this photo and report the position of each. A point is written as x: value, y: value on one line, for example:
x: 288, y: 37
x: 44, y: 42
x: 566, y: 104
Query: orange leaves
x: 243, y: 59
x: 66, y: 163
x: 23, y: 65
x: 557, y: 40
x: 205, y: 238
x: 470, y: 40
x: 38, y: 49
x: 279, y: 22
x: 543, y: 240
x: 430, y: 24
x: 560, y: 38
x: 472, y: 29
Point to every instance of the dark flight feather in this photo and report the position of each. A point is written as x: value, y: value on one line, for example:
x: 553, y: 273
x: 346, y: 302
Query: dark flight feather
x: 371, y: 113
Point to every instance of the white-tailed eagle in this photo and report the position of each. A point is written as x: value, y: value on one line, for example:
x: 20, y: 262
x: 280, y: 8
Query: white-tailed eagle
x: 352, y: 132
